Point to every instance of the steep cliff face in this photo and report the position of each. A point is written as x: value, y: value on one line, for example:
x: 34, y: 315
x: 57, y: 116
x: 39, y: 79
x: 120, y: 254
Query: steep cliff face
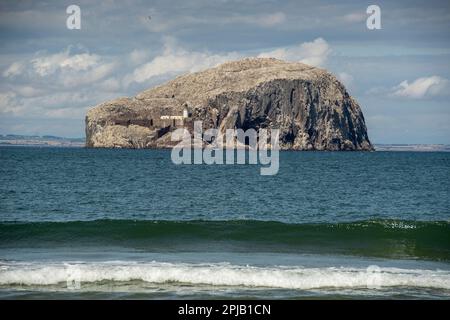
x: 310, y: 106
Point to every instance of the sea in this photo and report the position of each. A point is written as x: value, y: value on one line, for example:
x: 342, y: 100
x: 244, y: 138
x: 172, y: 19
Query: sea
x: 78, y: 223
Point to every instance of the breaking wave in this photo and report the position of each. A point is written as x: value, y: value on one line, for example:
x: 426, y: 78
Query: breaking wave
x: 220, y: 274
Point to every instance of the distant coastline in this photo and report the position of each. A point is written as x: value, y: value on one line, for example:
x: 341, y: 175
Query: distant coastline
x: 55, y: 141
x: 413, y: 147
x: 40, y: 141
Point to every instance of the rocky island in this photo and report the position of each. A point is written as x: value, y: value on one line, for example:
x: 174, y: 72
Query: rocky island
x: 310, y: 107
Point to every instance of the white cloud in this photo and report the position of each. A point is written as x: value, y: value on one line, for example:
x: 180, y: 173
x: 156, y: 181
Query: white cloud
x: 138, y: 56
x: 313, y: 53
x: 8, y: 103
x: 14, y: 69
x: 62, y: 69
x: 90, y: 76
x: 61, y: 99
x: 47, y: 65
x: 273, y: 19
x: 175, y: 60
x: 421, y: 87
x: 65, y: 70
x: 346, y: 79
x: 64, y: 84
x: 51, y: 104
x: 27, y: 91
x: 110, y: 85
x: 66, y: 113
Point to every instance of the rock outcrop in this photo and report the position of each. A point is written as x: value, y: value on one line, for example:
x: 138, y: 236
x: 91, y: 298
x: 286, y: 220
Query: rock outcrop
x: 309, y: 105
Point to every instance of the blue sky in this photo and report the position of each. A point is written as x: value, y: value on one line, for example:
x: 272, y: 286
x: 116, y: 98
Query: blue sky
x: 50, y: 75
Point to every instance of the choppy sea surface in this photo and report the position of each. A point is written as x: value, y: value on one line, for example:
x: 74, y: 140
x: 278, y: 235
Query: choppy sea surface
x: 81, y: 223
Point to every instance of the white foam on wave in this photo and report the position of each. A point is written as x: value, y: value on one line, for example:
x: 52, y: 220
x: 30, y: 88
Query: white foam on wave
x: 221, y: 274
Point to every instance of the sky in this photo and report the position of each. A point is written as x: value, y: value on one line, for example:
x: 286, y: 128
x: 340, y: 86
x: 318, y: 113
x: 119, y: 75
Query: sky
x: 51, y: 75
